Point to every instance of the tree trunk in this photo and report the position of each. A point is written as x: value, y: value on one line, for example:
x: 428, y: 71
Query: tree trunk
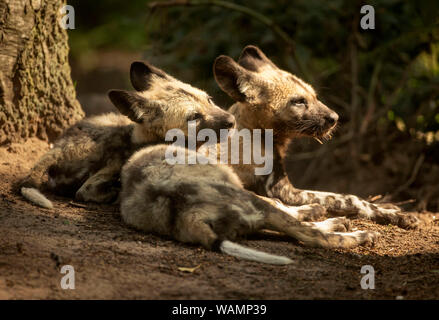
x: 37, y: 96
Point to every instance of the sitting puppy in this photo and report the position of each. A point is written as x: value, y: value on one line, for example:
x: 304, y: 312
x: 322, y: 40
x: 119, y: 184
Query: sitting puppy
x: 267, y: 97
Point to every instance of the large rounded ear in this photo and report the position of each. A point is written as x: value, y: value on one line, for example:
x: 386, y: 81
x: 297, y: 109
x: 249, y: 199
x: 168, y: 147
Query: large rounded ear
x: 227, y: 74
x: 239, y: 83
x: 253, y: 59
x: 128, y: 103
x: 141, y: 75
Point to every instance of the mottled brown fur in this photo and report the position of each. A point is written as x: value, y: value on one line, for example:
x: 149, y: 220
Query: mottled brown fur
x: 86, y: 160
x: 206, y: 204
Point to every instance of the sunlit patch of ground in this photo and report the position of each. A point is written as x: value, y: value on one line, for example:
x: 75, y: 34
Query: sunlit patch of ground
x: 112, y: 261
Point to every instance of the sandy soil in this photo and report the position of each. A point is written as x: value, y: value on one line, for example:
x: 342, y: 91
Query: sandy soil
x: 112, y: 261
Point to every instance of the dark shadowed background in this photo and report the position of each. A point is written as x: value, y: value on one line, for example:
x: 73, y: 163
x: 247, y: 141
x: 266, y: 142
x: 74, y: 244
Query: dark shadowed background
x: 384, y: 83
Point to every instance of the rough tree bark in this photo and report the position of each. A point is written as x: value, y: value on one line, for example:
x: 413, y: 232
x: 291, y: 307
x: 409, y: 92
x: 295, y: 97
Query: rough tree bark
x: 37, y: 96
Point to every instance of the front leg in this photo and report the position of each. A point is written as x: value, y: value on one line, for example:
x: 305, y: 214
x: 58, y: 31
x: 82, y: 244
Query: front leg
x: 102, y: 187
x: 340, y: 204
x: 309, y: 212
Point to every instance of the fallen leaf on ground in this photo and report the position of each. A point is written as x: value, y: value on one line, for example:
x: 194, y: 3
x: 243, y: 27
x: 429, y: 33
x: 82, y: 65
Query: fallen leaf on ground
x: 190, y: 270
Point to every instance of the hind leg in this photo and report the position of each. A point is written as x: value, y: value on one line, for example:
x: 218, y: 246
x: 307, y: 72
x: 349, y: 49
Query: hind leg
x: 312, y: 212
x: 190, y: 228
x: 102, y: 187
x: 312, y: 235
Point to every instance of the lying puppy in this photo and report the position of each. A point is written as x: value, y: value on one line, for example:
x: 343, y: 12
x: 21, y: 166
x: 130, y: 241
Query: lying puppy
x: 206, y: 204
x: 86, y: 160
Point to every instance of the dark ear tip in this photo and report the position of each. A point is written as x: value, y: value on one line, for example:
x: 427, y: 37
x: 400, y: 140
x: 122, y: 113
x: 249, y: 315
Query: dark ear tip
x: 222, y: 58
x: 139, y: 63
x: 112, y: 93
x: 139, y: 66
x: 250, y: 47
x: 223, y: 62
x: 251, y: 50
x: 139, y: 75
x: 115, y: 95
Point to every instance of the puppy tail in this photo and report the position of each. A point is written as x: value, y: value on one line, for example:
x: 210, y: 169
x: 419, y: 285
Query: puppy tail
x: 35, y: 196
x: 239, y: 251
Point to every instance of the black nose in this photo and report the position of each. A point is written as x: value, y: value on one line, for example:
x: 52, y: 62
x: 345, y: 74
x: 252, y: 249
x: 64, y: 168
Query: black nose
x: 332, y: 118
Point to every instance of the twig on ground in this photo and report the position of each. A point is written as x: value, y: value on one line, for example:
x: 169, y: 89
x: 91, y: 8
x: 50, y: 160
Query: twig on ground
x: 375, y: 198
x: 404, y: 202
x: 78, y: 205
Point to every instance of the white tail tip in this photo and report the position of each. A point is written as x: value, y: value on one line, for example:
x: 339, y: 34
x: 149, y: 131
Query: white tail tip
x: 239, y: 251
x: 35, y: 196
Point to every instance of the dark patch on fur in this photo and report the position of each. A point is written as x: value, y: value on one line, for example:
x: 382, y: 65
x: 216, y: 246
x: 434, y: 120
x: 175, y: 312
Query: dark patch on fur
x: 299, y: 83
x: 310, y: 196
x: 280, y: 177
x: 177, y: 200
x: 152, y: 114
x: 225, y: 225
x: 329, y: 200
x: 337, y: 205
x: 107, y: 187
x: 283, y: 190
x: 176, y: 204
x: 263, y: 95
x: 187, y: 189
x: 224, y: 189
x: 187, y: 93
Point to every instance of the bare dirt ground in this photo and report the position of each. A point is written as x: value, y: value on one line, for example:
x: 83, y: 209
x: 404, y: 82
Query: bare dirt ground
x: 112, y: 261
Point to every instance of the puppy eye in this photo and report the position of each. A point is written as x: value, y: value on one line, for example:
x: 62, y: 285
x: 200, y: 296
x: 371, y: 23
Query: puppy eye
x: 210, y: 100
x: 298, y: 101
